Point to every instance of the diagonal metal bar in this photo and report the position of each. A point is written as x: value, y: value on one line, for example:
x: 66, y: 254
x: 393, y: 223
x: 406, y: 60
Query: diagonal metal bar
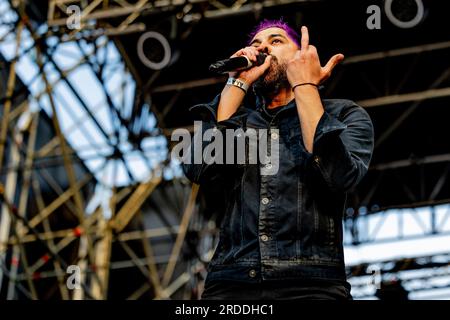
x: 50, y: 242
x: 386, y: 134
x: 150, y: 259
x: 9, y: 90
x: 19, y: 249
x: 13, y: 211
x: 135, y: 201
x: 181, y: 235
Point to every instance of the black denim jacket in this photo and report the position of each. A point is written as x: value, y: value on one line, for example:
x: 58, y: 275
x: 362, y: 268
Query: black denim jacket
x: 289, y: 225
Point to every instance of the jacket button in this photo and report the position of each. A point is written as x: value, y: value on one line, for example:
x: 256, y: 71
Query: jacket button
x: 274, y: 135
x: 265, y: 200
x: 264, y: 237
x: 316, y: 159
x: 252, y: 273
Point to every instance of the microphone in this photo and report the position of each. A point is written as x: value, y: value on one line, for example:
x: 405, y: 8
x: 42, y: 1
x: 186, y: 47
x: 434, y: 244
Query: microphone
x: 236, y: 63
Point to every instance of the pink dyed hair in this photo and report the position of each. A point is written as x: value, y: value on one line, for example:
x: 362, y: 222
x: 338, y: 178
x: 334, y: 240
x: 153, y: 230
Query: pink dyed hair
x: 266, y: 23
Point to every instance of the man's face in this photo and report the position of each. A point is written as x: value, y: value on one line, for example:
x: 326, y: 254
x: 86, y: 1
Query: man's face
x: 276, y: 42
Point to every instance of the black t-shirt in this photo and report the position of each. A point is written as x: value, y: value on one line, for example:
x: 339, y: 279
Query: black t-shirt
x: 270, y: 113
x: 273, y: 111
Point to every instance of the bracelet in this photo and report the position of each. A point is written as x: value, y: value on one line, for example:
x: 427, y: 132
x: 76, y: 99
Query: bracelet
x: 238, y: 83
x: 304, y: 84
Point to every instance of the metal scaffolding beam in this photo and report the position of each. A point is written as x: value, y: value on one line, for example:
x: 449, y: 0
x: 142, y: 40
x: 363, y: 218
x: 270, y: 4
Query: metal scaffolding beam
x: 127, y: 225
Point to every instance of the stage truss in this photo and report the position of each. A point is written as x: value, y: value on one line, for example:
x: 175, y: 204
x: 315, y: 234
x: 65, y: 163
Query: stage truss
x: 168, y: 274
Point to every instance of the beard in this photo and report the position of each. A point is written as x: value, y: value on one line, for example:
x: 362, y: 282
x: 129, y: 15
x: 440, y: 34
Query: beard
x: 273, y: 79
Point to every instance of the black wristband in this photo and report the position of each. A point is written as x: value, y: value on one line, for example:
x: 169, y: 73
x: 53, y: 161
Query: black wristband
x: 304, y: 84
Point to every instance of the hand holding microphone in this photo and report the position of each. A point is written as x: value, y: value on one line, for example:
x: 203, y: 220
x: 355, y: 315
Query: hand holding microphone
x: 247, y: 65
x: 236, y: 63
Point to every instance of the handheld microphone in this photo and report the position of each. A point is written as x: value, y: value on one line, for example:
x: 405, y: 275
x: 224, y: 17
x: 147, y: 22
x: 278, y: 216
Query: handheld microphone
x: 236, y: 63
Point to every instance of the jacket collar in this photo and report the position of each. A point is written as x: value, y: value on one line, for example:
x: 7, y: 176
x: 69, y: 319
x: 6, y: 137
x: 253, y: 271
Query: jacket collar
x: 261, y: 105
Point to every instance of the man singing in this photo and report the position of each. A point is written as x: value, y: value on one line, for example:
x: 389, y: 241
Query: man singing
x: 281, y: 234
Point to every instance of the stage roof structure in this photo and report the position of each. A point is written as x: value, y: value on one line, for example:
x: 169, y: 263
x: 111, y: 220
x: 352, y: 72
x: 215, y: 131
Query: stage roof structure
x: 400, y: 74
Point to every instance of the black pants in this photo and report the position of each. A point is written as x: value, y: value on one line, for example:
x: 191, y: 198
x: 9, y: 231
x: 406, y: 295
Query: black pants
x: 279, y: 290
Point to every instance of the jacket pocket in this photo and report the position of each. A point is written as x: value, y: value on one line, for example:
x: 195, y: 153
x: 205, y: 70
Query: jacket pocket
x: 331, y: 232
x: 324, y: 232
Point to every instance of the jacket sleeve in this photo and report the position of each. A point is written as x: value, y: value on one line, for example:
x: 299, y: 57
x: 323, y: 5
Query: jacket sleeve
x: 200, y: 171
x: 343, y: 147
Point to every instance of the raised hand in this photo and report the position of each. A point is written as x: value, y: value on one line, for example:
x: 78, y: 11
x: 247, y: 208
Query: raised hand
x: 305, y: 66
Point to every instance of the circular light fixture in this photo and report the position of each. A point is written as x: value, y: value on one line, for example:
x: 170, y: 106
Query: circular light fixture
x: 404, y: 24
x: 166, y: 49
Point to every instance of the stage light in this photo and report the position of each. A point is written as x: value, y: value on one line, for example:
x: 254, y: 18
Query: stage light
x: 157, y: 52
x: 404, y: 13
